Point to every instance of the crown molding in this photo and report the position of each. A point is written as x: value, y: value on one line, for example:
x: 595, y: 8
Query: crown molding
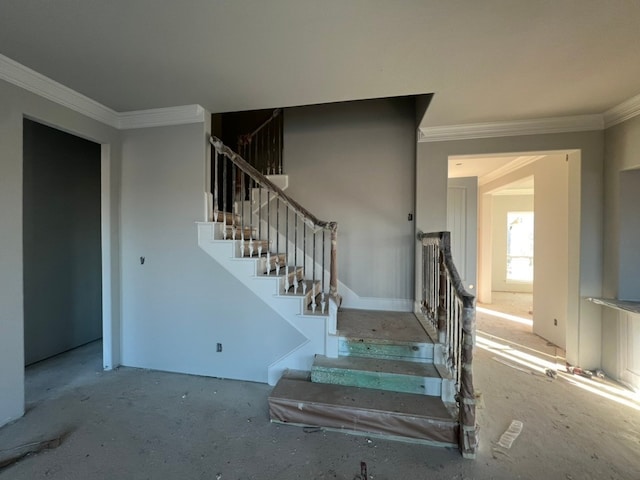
x: 159, y: 117
x: 624, y: 111
x: 34, y: 82
x: 512, y: 166
x: 537, y: 126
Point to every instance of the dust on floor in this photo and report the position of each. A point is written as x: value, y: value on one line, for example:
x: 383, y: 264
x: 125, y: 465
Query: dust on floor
x: 141, y: 424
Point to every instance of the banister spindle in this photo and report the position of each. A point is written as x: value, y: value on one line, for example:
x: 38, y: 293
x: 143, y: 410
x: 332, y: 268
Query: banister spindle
x: 215, y: 186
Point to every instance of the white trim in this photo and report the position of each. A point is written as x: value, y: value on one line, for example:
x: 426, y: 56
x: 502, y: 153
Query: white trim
x: 17, y: 74
x: 34, y: 82
x: 159, y: 117
x: 624, y: 111
x: 579, y: 123
x: 110, y: 345
x: 512, y: 166
x: 351, y: 299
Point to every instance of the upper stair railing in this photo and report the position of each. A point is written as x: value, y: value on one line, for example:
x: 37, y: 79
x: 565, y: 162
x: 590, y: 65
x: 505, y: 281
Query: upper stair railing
x: 271, y: 223
x: 262, y: 148
x: 450, y: 314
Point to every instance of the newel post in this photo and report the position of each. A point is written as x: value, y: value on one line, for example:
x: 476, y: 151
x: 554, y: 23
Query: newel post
x: 467, y: 399
x: 333, y: 267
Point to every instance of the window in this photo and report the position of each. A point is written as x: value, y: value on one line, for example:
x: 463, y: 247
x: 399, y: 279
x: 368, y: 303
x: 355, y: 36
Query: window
x: 520, y: 246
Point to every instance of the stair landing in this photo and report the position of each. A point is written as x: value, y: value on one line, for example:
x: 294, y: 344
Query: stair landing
x: 382, y: 326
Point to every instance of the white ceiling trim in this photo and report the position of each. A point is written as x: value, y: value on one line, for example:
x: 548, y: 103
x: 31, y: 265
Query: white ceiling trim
x: 626, y: 110
x: 512, y: 166
x: 17, y: 74
x: 161, y: 117
x: 579, y: 123
x: 34, y: 82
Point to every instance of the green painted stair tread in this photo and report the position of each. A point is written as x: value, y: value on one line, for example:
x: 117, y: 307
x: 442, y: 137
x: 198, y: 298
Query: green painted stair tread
x: 352, y: 410
x: 389, y: 349
x: 377, y: 373
x: 376, y: 365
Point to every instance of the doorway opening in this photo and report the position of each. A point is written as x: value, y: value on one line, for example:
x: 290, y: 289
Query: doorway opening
x: 62, y: 244
x: 524, y: 259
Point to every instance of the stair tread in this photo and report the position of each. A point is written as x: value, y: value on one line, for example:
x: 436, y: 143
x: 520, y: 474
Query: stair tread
x: 402, y: 416
x: 377, y: 365
x: 401, y: 328
x: 358, y: 398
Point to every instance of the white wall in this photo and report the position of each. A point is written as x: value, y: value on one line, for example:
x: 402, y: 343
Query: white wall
x: 501, y: 205
x: 462, y: 222
x: 585, y: 225
x: 354, y: 163
x: 17, y: 103
x: 181, y: 303
x: 551, y: 249
x: 552, y: 270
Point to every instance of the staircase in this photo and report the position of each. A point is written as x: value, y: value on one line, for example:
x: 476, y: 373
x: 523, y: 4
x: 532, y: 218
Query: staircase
x: 403, y: 376
x: 384, y: 383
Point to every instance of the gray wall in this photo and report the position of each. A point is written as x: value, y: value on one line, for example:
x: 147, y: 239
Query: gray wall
x: 622, y: 153
x: 585, y: 229
x: 61, y: 240
x: 181, y: 302
x: 354, y: 163
x: 16, y: 104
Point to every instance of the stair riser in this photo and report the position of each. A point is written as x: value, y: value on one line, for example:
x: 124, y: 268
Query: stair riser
x: 378, y: 380
x: 356, y: 421
x: 273, y: 261
x: 418, y: 352
x: 246, y: 252
x: 298, y: 272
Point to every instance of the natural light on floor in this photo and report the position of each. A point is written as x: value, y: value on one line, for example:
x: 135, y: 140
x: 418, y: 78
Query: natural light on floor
x: 532, y: 361
x: 505, y: 316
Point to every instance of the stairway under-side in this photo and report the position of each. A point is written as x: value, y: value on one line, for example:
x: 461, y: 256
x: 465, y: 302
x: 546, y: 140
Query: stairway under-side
x: 384, y: 382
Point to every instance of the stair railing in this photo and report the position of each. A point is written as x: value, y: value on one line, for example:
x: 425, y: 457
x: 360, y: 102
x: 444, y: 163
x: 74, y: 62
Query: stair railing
x: 259, y: 213
x: 262, y: 148
x: 449, y: 311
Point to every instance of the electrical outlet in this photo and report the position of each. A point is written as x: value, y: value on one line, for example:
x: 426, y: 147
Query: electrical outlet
x: 410, y: 217
x: 219, y: 347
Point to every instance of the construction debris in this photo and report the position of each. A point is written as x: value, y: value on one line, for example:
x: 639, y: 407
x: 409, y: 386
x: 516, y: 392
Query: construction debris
x: 510, y: 435
x: 573, y: 370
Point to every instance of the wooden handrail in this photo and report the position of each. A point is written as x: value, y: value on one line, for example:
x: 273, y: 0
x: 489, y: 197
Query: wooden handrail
x: 444, y: 239
x: 456, y: 329
x: 307, y: 217
x: 246, y: 138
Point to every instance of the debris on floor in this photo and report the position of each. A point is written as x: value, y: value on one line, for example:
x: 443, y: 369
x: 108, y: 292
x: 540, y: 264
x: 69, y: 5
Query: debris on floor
x: 12, y: 455
x: 510, y: 435
x: 550, y: 373
x: 573, y: 370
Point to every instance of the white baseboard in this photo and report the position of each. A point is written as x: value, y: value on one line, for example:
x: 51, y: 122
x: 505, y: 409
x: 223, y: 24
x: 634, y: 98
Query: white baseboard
x: 351, y: 299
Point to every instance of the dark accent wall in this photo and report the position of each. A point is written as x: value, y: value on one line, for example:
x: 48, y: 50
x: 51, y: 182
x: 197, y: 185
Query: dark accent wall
x: 61, y: 241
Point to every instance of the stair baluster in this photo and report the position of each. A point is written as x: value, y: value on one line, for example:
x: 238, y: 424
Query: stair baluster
x: 448, y: 311
x: 237, y: 181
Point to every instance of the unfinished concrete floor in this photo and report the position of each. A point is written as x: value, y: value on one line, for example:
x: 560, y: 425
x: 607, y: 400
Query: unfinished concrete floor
x: 140, y: 424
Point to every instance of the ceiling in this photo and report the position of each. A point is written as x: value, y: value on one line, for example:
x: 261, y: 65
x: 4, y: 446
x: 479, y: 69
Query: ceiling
x: 494, y: 60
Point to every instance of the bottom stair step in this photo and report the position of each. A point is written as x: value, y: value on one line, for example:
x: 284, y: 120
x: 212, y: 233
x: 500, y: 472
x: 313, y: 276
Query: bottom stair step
x: 399, y: 416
